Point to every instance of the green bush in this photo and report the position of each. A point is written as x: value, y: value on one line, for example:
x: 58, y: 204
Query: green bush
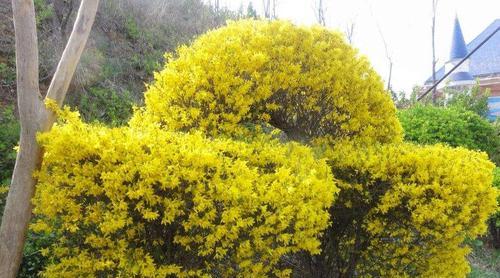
x: 131, y: 28
x: 474, y: 100
x: 9, y: 136
x: 453, y: 126
x: 7, y: 73
x: 33, y: 260
x: 106, y: 106
x: 494, y: 223
x: 44, y: 11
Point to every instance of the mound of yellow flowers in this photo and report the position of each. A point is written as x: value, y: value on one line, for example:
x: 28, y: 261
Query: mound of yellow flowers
x: 151, y: 203
x: 264, y: 149
x: 306, y: 81
x: 405, y: 210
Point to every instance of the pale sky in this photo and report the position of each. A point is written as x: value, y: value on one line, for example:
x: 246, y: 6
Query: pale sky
x: 405, y: 24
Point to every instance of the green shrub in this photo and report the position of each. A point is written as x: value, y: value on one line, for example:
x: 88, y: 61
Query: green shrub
x: 453, y: 126
x: 9, y: 134
x: 8, y: 74
x: 9, y: 137
x: 34, y: 262
x: 44, y: 11
x: 475, y: 100
x: 106, y: 106
x: 494, y: 223
x: 131, y: 28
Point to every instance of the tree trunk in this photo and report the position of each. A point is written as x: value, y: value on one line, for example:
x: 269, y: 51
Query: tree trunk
x: 267, y: 8
x: 18, y: 206
x: 389, y: 80
x: 34, y: 118
x: 434, y: 91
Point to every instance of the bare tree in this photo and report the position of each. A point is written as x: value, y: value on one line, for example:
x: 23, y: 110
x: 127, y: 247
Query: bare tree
x: 319, y: 10
x: 387, y: 52
x: 274, y: 4
x: 434, y: 60
x: 270, y: 7
x: 34, y: 118
x: 388, y: 57
x: 349, y: 31
x: 217, y: 6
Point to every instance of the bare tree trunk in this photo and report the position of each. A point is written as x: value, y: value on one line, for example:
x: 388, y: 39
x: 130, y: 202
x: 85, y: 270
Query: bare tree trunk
x: 34, y: 118
x: 389, y: 80
x: 217, y: 6
x: 434, y: 62
x: 320, y: 12
x: 17, y: 210
x: 389, y: 58
x: 349, y: 31
x: 273, y: 9
x: 267, y: 8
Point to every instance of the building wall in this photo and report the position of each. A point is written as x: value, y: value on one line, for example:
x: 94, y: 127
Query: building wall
x: 494, y: 100
x: 493, y: 84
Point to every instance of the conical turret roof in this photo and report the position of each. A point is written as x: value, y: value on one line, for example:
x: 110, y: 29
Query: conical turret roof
x: 458, y: 47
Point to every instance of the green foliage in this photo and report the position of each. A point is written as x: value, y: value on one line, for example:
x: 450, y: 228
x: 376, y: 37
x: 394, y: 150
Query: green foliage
x: 453, y: 126
x: 131, y: 28
x: 7, y: 74
x: 401, y: 100
x: 475, y: 99
x: 44, y: 11
x: 495, y: 155
x: 251, y: 12
x: 106, y: 106
x: 494, y: 222
x: 34, y: 261
x: 4, y: 189
x: 9, y: 136
x: 147, y: 62
x: 485, y: 261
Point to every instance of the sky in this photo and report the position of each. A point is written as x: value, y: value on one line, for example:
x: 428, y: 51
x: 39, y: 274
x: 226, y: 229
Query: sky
x: 404, y: 24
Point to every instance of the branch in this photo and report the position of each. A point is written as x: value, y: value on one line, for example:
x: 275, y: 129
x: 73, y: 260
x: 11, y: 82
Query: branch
x: 73, y: 51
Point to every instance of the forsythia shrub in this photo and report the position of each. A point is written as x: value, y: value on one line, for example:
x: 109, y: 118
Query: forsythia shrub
x: 305, y: 81
x: 129, y: 202
x: 195, y: 187
x: 404, y: 210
